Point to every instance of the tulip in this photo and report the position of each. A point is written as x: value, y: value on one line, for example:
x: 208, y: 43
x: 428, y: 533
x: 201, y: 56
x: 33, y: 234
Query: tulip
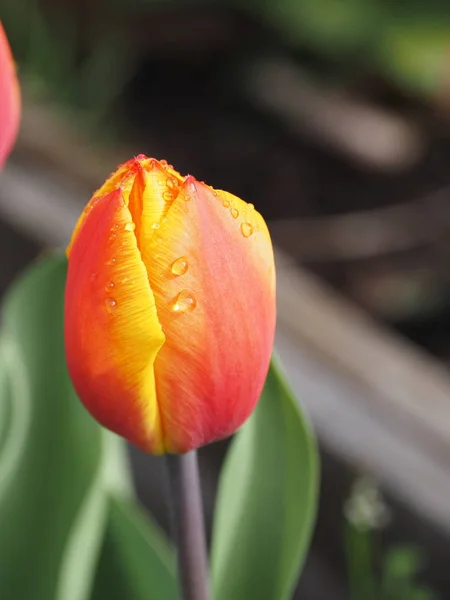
x: 9, y: 99
x: 169, y: 308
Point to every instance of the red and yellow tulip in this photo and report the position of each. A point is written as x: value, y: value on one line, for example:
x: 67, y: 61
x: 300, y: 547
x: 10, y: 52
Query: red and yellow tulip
x: 9, y: 99
x: 170, y: 308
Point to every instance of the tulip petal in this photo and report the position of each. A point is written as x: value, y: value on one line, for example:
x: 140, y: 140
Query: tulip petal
x: 212, y: 274
x: 148, y: 187
x: 112, y: 330
x: 160, y: 189
x: 9, y: 99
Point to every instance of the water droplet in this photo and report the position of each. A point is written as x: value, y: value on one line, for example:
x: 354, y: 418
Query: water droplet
x: 155, y: 226
x: 180, y: 266
x: 187, y: 198
x: 226, y: 203
x: 113, y: 260
x: 250, y: 206
x: 168, y: 196
x: 117, y: 226
x: 185, y: 302
x: 247, y: 229
x: 130, y: 226
x: 110, y: 304
x: 192, y: 187
x: 234, y: 213
x: 110, y: 285
x: 125, y: 280
x: 172, y: 182
x: 215, y: 193
x: 112, y: 237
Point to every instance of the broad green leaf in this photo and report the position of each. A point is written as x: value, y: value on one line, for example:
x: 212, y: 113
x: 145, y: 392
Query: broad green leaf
x: 136, y: 562
x: 267, y: 499
x: 83, y: 545
x: 55, y: 462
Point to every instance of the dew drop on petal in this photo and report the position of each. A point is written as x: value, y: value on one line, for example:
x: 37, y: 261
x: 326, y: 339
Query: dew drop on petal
x: 155, y: 226
x: 185, y: 302
x: 117, y: 226
x: 110, y: 285
x: 246, y: 229
x: 130, y: 226
x: 110, y: 304
x: 168, y: 196
x: 250, y: 206
x: 112, y: 237
x: 234, y: 213
x: 180, y: 266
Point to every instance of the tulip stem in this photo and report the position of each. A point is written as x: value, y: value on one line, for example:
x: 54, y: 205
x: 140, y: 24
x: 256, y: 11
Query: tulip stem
x: 188, y: 525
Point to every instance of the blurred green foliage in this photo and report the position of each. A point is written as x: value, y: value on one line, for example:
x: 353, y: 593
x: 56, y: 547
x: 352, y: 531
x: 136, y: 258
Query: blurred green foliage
x: 56, y: 64
x: 404, y: 41
x: 373, y: 574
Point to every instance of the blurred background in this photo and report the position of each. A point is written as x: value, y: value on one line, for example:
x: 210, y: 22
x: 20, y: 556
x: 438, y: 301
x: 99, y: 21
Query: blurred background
x: 333, y: 118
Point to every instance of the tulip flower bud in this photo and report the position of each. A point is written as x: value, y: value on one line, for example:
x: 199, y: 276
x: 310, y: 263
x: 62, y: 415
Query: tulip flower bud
x: 169, y: 309
x: 9, y: 99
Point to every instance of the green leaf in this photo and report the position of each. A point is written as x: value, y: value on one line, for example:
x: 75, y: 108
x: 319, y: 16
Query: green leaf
x: 267, y: 500
x: 136, y: 561
x: 56, y: 463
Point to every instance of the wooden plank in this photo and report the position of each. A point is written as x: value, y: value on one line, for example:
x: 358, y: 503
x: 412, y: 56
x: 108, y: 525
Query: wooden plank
x: 412, y: 388
x: 376, y: 401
